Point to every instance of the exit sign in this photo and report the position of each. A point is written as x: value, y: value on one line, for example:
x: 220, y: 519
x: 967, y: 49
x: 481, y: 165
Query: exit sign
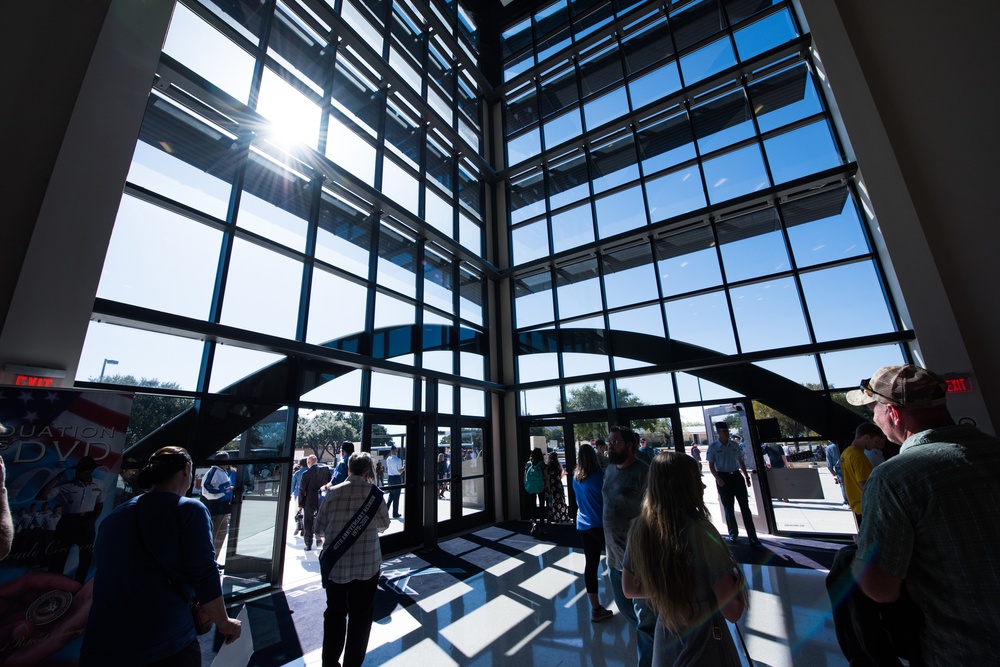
x: 958, y: 384
x: 33, y: 381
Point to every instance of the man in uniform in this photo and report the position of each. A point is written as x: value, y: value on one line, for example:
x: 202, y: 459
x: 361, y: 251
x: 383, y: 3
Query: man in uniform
x: 82, y: 500
x: 726, y: 463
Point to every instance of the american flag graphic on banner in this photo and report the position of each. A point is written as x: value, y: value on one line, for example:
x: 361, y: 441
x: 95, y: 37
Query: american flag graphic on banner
x: 62, y: 450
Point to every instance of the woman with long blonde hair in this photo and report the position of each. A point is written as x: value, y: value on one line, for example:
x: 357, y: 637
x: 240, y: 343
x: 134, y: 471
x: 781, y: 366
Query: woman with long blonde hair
x: 676, y: 560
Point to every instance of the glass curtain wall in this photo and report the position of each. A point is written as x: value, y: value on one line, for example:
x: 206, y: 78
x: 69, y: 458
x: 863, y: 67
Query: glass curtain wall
x: 679, y: 203
x: 302, y: 229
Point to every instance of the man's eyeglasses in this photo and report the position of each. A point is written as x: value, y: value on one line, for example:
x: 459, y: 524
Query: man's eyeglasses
x: 866, y: 386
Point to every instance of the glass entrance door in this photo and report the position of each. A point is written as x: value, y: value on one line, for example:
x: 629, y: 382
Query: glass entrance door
x: 394, y: 446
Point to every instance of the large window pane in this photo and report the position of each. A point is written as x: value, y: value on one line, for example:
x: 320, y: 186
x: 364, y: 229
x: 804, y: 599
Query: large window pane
x: 544, y: 401
x: 801, y: 370
x: 470, y: 299
x: 344, y: 236
x: 537, y: 367
x: 620, y: 212
x: 141, y: 354
x: 438, y: 281
x: 184, y: 158
x: 629, y: 276
x: 350, y: 151
x: 294, y: 45
x: 688, y: 261
x: 561, y: 129
x: 231, y: 364
x: 605, y: 108
x: 708, y: 60
x: 846, y: 369
x: 801, y: 152
x: 533, y: 299
x: 527, y: 197
x: 578, y: 288
x: 824, y: 227
x: 584, y: 397
x: 722, y: 122
x: 765, y: 34
x: 262, y: 292
x: 275, y: 202
x: 209, y: 53
x: 473, y: 402
x: 558, y: 91
x: 337, y: 390
x: 294, y: 117
x: 769, y: 315
x: 655, y: 86
x: 734, y: 174
x: 391, y: 392
x: 400, y: 185
x: 846, y: 301
x: 569, y: 181
x: 648, y: 389
x: 529, y: 242
x: 336, y: 308
x: 572, y: 228
x: 703, y: 321
x: 752, y: 245
x: 397, y: 261
x: 785, y: 97
x: 665, y: 143
x: 601, y: 70
x: 613, y: 164
x: 526, y: 146
x: 356, y: 96
x: 146, y: 240
x: 675, y: 194
x: 647, y: 46
x: 584, y: 363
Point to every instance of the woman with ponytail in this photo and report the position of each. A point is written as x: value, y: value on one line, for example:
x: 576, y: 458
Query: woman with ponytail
x: 155, y: 557
x: 676, y: 560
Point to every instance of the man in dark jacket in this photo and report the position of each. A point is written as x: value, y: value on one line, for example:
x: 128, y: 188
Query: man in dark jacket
x: 313, y: 479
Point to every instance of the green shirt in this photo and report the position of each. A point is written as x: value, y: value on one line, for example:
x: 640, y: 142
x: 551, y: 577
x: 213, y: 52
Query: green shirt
x: 932, y: 518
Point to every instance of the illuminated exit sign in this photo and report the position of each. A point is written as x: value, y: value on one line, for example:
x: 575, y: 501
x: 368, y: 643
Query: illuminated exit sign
x: 33, y: 381
x: 958, y: 384
x: 34, y: 376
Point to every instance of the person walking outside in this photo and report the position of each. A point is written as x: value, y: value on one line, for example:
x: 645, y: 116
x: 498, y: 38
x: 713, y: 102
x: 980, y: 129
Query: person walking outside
x: 217, y: 494
x: 394, y: 469
x: 312, y: 481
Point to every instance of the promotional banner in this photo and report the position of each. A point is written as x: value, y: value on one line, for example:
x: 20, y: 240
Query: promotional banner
x: 62, y: 450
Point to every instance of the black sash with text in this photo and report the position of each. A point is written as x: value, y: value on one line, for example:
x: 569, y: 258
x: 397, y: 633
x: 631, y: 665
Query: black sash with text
x: 335, y: 549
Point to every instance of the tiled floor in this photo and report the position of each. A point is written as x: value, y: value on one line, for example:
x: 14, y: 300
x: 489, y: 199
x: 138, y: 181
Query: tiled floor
x: 496, y: 597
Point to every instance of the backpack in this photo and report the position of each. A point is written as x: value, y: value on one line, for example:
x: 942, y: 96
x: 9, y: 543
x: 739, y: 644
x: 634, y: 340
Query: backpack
x: 534, y: 480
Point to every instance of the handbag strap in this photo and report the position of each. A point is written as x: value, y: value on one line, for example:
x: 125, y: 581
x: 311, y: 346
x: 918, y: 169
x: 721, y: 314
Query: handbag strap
x: 152, y: 557
x: 711, y: 586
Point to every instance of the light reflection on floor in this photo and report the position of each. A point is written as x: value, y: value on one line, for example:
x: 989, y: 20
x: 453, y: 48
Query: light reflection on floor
x: 531, y: 609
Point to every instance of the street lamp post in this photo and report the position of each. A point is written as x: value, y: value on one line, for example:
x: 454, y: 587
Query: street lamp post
x: 107, y: 362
